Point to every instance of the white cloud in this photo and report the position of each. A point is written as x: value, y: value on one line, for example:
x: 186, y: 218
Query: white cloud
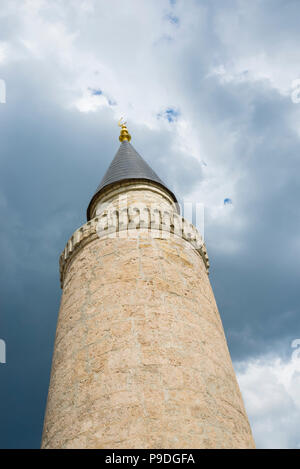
x: 258, y: 67
x: 271, y: 391
x: 136, y: 55
x: 91, y: 102
x: 3, y: 51
x: 266, y: 48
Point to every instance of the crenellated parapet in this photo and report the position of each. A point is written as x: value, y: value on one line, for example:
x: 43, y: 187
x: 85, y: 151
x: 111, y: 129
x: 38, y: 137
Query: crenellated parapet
x: 115, y: 223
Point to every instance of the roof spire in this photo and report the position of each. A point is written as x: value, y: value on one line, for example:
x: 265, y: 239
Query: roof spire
x: 124, y: 135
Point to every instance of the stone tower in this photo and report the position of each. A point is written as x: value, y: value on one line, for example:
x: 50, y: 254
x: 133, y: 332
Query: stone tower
x: 140, y: 358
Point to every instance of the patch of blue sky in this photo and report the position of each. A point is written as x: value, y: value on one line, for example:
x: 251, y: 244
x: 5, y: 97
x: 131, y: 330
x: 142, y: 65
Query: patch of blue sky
x: 96, y: 92
x: 227, y: 201
x: 172, y: 18
x: 170, y: 114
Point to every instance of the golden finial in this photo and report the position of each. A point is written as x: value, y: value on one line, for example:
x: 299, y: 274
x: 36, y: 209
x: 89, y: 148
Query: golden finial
x: 124, y: 135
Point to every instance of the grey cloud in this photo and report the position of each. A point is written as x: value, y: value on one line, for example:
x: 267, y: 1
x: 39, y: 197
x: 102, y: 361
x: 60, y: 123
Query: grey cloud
x: 52, y: 158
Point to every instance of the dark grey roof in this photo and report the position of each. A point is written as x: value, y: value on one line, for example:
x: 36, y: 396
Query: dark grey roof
x: 127, y: 165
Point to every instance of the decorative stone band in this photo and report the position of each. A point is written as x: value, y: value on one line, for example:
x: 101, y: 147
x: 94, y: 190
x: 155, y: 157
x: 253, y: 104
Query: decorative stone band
x: 118, y: 223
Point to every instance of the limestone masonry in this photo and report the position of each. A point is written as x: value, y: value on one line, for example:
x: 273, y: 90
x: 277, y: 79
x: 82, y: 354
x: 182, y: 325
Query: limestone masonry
x: 140, y: 357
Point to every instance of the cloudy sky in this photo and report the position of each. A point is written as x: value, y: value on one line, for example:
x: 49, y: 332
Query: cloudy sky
x: 211, y: 92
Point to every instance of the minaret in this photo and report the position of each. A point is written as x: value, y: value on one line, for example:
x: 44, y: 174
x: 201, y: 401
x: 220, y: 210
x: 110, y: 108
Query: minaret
x: 140, y: 358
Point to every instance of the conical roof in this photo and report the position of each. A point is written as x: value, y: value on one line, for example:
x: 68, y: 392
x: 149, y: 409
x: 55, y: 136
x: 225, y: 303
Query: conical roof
x: 127, y: 165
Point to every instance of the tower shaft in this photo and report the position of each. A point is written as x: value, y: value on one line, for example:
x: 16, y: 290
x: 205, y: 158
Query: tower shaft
x: 140, y: 359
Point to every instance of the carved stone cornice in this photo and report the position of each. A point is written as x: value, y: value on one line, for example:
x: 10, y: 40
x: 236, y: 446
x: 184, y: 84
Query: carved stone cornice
x: 158, y: 223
